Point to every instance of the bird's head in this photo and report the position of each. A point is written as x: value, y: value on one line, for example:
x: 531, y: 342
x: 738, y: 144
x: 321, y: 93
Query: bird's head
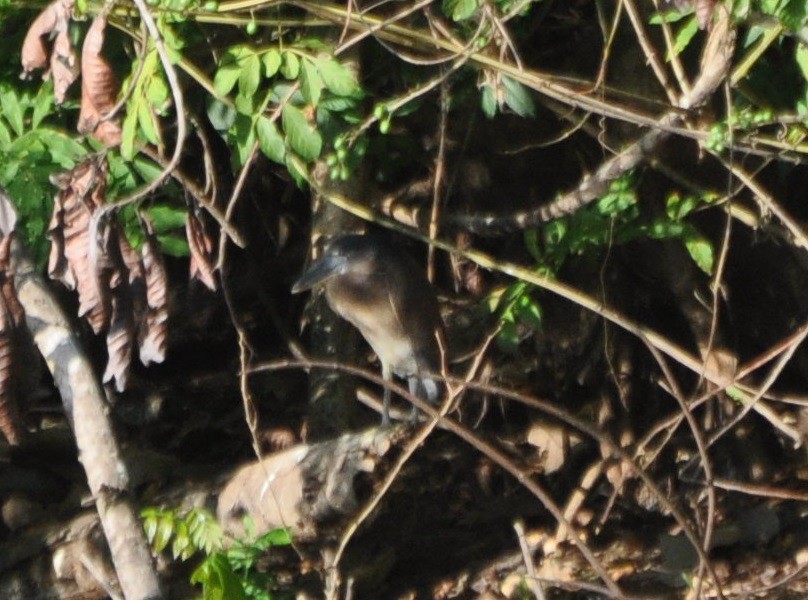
x: 352, y: 255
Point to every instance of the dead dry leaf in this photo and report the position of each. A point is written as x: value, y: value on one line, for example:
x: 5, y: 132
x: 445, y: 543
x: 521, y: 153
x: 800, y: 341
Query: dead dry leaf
x: 11, y: 315
x: 81, y: 192
x: 91, y: 253
x: 7, y: 289
x: 154, y: 328
x: 10, y: 420
x: 552, y: 442
x: 54, y: 18
x: 119, y: 275
x: 64, y: 65
x: 58, y: 268
x: 201, y: 248
x: 99, y: 88
x: 120, y: 337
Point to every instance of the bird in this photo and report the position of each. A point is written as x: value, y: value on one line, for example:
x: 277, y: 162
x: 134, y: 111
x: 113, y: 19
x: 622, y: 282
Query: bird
x: 382, y: 292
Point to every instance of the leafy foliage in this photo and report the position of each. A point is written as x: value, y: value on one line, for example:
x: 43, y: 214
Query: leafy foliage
x: 504, y: 91
x: 299, y: 83
x: 229, y: 573
x: 615, y: 219
x: 31, y: 149
x: 149, y: 97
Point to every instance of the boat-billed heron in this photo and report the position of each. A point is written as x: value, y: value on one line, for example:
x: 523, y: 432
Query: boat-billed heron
x: 385, y: 295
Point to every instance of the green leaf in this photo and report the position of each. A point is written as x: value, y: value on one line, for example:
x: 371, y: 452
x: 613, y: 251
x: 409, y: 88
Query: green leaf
x: 802, y: 59
x: 517, y: 98
x: 174, y: 245
x: 290, y: 68
x: 157, y: 93
x: 677, y: 207
x: 270, y: 140
x: 555, y: 231
x: 532, y: 244
x: 338, y: 79
x: 12, y: 110
x: 28, y: 143
x: 148, y: 170
x: 221, y: 116
x: 128, y: 133
x: 226, y: 77
x: 173, y: 41
x: 250, y: 76
x: 488, y: 101
x: 8, y: 171
x: 672, y: 16
x: 459, y: 10
x: 149, y: 516
x: 737, y: 394
x: 181, y: 547
x: 246, y: 105
x: 311, y: 84
x: 205, y: 531
x: 218, y: 579
x: 147, y: 122
x: 165, y: 217
x: 683, y: 37
x: 278, y: 537
x: 616, y: 201
x: 336, y: 104
x: 297, y: 169
x: 794, y: 14
x: 302, y: 137
x: 165, y: 528
x: 43, y: 102
x: 312, y: 43
x: 528, y: 311
x: 701, y: 250
x: 64, y: 150
x: 661, y: 229
x: 272, y: 62
x: 5, y: 136
x: 244, y: 147
x: 508, y: 337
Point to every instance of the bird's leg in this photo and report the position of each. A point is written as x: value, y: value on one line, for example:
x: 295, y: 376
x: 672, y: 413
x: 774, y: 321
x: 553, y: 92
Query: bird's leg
x: 387, y: 375
x: 414, y: 384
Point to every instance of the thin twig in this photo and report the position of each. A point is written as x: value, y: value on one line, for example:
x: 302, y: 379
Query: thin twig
x: 767, y: 201
x: 607, y: 46
x: 706, y: 465
x: 531, y: 580
x: 651, y: 55
x: 199, y: 195
x: 673, y: 56
x: 775, y: 372
x: 437, y: 185
x: 763, y: 491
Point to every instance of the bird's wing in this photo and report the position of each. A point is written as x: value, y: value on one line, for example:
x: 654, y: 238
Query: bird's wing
x: 396, y: 305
